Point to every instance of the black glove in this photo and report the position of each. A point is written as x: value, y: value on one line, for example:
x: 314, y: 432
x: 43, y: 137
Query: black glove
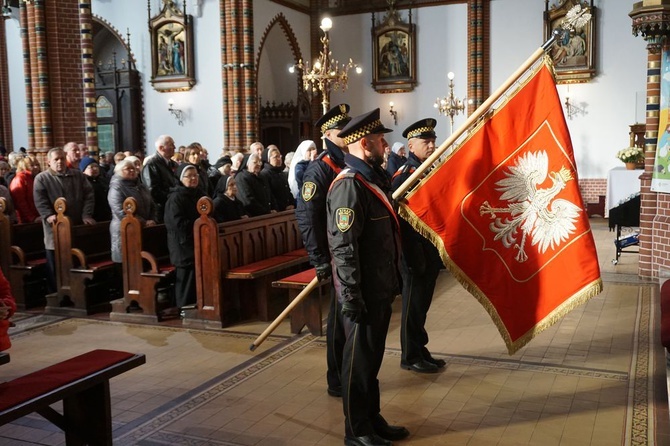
x: 323, y: 271
x: 354, y: 310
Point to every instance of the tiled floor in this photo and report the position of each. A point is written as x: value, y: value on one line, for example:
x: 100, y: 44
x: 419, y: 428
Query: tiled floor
x: 595, y: 378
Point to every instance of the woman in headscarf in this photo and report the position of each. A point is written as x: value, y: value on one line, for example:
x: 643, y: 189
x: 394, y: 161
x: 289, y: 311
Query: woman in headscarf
x: 226, y: 205
x: 273, y: 175
x: 396, y: 158
x: 126, y: 183
x: 194, y: 155
x: 181, y: 212
x: 305, y: 153
x: 252, y: 191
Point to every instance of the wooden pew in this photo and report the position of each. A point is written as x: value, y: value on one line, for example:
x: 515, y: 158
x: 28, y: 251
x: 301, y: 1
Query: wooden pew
x: 22, y: 260
x: 82, y: 383
x: 28, y: 269
x: 147, y: 272
x: 236, y: 262
x: 309, y: 312
x: 84, y: 268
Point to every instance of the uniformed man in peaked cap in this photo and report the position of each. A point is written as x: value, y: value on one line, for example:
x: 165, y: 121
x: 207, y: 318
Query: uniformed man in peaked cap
x: 421, y: 262
x: 364, y: 240
x: 311, y: 215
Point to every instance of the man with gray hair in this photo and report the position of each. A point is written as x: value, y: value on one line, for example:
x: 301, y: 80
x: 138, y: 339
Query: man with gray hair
x: 73, y: 155
x: 158, y: 173
x: 60, y: 181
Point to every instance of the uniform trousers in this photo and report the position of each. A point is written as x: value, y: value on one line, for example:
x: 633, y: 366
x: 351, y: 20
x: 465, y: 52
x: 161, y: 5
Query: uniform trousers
x: 335, y: 340
x: 417, y: 295
x: 362, y: 358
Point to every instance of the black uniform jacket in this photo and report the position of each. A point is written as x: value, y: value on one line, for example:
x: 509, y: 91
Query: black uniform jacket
x: 311, y: 203
x: 417, y: 250
x: 363, y: 234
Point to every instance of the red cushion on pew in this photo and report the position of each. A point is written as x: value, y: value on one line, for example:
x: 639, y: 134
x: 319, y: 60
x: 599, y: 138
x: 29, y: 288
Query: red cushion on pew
x: 303, y: 277
x: 42, y: 381
x: 262, y: 264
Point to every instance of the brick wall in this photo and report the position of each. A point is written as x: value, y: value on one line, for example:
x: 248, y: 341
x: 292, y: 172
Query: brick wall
x: 65, y: 71
x: 592, y: 188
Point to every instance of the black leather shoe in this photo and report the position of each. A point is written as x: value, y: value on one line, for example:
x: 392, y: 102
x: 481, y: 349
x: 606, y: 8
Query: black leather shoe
x: 440, y: 363
x: 420, y: 367
x: 366, y: 440
x: 335, y: 391
x: 387, y: 431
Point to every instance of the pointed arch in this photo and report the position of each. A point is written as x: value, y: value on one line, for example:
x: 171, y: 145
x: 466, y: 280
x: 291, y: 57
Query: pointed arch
x: 109, y: 27
x: 280, y: 19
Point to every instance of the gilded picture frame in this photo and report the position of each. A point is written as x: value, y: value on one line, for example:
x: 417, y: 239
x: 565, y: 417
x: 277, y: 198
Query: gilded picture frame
x: 393, y: 53
x: 574, y: 53
x: 172, y: 63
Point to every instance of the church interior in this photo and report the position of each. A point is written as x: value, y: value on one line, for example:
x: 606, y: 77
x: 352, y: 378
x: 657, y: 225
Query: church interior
x: 116, y: 74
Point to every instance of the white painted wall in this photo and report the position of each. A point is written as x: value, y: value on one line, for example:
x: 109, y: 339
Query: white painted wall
x: 17, y: 91
x: 516, y: 31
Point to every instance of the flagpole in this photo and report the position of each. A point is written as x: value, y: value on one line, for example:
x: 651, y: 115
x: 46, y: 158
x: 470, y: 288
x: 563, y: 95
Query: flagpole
x: 299, y: 298
x: 474, y: 117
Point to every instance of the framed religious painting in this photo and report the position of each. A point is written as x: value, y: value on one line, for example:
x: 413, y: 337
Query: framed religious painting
x: 172, y: 64
x: 573, y: 54
x: 393, y: 52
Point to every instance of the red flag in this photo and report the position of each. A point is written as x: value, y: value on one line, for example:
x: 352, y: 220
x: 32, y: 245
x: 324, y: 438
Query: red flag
x: 506, y: 213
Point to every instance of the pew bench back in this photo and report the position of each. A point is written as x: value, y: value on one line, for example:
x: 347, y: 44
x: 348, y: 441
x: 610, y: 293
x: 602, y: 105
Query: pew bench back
x: 148, y: 275
x: 84, y: 268
x: 22, y: 260
x: 258, y: 249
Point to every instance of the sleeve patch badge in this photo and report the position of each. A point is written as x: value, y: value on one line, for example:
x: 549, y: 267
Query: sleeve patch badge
x: 345, y: 218
x: 308, y: 190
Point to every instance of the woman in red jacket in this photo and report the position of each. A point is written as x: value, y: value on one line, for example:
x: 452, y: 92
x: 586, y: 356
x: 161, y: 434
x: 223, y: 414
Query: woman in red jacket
x: 7, y: 309
x: 21, y: 189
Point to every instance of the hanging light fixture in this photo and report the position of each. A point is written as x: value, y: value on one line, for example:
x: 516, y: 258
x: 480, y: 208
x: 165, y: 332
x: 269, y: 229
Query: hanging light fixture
x: 450, y: 105
x: 326, y: 73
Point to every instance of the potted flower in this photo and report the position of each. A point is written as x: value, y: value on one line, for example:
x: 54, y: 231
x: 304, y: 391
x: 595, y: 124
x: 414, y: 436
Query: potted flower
x: 632, y: 156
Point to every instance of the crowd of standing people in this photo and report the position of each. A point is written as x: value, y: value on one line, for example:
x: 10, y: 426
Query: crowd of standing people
x: 344, y: 208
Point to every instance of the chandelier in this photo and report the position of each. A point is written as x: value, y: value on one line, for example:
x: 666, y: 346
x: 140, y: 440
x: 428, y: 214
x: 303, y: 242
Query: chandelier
x: 450, y: 105
x: 326, y: 74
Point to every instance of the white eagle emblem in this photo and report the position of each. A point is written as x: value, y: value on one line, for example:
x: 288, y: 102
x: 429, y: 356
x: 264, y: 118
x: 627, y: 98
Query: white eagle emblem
x: 533, y: 212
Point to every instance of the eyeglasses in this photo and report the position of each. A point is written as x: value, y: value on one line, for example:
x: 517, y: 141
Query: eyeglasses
x: 190, y: 177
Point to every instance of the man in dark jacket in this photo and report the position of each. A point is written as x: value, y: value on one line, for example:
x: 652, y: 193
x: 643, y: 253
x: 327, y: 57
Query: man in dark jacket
x: 364, y: 239
x: 158, y: 173
x: 421, y: 262
x: 59, y: 181
x: 311, y: 216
